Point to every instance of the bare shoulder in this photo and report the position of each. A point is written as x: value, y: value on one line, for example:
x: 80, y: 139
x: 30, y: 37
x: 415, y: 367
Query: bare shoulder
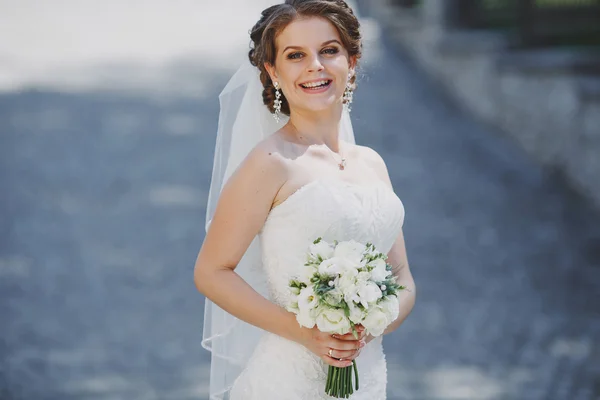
x: 264, y: 164
x: 374, y: 160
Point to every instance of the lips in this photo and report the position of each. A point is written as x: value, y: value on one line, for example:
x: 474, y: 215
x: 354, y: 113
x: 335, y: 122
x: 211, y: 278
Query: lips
x: 316, y: 85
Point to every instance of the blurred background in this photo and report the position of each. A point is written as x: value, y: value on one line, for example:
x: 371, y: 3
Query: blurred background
x: 486, y: 112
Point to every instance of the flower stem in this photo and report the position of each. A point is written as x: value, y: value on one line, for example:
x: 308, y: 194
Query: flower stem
x: 335, y: 381
x: 355, y: 373
x: 344, y: 388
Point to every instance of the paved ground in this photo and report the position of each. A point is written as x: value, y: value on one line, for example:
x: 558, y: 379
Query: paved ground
x: 103, y: 210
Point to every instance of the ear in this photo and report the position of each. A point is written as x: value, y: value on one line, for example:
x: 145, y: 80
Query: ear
x: 352, y: 64
x: 271, y: 71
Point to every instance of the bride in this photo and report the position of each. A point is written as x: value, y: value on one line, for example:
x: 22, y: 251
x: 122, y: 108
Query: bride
x: 286, y: 171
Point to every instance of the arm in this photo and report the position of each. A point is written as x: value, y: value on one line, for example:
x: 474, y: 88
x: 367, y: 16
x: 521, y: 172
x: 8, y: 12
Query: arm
x: 397, y: 255
x: 243, y: 206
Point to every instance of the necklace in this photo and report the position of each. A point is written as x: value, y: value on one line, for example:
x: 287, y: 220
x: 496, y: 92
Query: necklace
x: 342, y: 163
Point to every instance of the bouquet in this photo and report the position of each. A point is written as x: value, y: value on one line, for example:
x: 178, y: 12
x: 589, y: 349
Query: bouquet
x: 342, y: 285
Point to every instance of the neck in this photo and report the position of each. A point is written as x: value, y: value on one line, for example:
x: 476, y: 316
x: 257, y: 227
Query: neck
x: 317, y: 128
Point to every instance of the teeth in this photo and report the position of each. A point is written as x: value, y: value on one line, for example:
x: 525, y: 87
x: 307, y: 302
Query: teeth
x: 315, y: 84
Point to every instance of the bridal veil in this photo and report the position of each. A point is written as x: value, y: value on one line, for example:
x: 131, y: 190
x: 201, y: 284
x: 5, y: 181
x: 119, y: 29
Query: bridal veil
x: 244, y: 121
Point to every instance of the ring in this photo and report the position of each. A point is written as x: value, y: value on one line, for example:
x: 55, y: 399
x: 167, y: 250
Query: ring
x: 330, y: 352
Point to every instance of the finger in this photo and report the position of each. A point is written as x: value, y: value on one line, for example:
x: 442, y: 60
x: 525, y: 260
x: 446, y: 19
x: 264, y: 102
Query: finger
x: 347, y: 336
x: 335, y: 362
x: 350, y: 336
x: 351, y: 355
x: 347, y: 354
x: 341, y: 344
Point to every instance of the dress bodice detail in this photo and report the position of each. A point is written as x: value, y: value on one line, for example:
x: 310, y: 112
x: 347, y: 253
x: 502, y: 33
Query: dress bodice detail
x: 334, y: 210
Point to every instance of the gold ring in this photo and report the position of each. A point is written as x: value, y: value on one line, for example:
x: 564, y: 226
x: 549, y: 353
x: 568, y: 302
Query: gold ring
x: 330, y: 352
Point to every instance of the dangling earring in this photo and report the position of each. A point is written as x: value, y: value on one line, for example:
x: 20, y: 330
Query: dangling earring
x: 348, y: 93
x: 277, y: 102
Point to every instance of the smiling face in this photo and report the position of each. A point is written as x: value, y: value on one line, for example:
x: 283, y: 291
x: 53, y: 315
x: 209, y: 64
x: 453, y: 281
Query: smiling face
x: 311, y: 65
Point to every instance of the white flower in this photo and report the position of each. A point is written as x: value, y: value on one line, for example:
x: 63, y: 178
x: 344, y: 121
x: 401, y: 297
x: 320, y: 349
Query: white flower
x: 376, y: 321
x: 332, y: 266
x: 292, y: 307
x: 307, y: 300
x: 305, y: 318
x: 379, y: 273
x: 334, y: 297
x: 333, y: 320
x: 368, y: 292
x: 363, y: 276
x: 350, y: 250
x: 346, y: 283
x: 356, y: 314
x: 390, y: 306
x: 322, y: 249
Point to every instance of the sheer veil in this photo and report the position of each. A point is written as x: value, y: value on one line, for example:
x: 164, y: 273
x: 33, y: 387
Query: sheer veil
x: 244, y: 121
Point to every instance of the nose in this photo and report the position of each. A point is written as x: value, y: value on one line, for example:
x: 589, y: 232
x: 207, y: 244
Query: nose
x: 315, y: 64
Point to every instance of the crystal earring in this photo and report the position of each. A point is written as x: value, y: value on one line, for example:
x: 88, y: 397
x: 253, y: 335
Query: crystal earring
x: 277, y: 102
x: 348, y: 94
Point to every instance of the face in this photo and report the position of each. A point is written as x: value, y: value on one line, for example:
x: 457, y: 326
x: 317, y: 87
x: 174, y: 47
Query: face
x: 311, y: 65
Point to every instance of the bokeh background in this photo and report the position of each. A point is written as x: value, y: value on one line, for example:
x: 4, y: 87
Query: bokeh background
x: 486, y: 113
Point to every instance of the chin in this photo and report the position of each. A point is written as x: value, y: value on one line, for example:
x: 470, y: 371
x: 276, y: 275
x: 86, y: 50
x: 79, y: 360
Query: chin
x: 322, y: 105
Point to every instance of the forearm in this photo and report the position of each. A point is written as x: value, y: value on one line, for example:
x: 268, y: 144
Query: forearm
x: 407, y: 298
x: 230, y: 292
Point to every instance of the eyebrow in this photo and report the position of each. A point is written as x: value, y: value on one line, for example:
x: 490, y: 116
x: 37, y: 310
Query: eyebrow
x: 323, y: 44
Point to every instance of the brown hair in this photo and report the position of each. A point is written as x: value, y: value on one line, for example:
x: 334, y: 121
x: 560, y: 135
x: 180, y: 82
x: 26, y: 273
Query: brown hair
x: 274, y: 20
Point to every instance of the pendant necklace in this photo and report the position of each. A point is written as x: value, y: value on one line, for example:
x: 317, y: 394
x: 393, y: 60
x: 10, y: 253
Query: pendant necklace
x: 341, y: 164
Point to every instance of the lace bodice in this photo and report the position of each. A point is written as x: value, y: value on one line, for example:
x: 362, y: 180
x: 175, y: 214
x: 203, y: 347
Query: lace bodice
x: 335, y: 210
x: 330, y: 208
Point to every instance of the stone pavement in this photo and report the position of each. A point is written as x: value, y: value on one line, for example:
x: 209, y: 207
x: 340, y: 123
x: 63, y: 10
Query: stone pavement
x: 102, y: 216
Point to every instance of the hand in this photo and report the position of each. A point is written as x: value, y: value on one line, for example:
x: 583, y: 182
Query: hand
x: 344, y: 348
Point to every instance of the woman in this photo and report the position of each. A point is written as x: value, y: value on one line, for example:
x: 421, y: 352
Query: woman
x: 278, y: 186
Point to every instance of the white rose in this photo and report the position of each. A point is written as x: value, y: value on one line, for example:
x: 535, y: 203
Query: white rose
x: 332, y: 266
x: 368, y: 292
x: 356, y: 314
x: 334, y: 297
x: 346, y: 283
x: 333, y: 320
x: 363, y: 276
x: 379, y: 273
x: 390, y: 306
x: 350, y: 250
x: 307, y: 300
x: 376, y: 321
x: 323, y: 249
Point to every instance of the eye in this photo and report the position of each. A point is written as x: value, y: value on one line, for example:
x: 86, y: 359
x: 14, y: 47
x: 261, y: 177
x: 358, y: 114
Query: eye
x: 294, y: 56
x: 330, y: 50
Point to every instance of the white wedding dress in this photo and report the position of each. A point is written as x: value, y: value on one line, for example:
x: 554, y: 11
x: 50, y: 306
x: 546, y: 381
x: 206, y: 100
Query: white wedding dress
x: 334, y: 209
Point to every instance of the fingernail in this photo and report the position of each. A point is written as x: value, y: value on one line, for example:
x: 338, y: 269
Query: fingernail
x: 362, y: 343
